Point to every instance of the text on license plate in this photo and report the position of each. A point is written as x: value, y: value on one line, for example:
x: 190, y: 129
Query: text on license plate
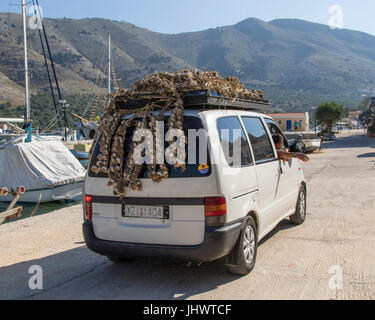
x: 137, y: 211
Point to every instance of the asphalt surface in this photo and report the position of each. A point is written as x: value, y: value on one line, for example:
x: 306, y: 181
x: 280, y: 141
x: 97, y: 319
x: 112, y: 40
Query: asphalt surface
x: 330, y: 256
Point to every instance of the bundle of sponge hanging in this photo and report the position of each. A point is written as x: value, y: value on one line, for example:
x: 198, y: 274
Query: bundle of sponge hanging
x: 115, y: 129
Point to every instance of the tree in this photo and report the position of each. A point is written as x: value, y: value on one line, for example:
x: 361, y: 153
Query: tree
x: 328, y: 112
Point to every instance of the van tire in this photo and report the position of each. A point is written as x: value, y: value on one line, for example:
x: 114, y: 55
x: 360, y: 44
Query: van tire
x: 117, y: 259
x: 246, y: 245
x: 300, y: 214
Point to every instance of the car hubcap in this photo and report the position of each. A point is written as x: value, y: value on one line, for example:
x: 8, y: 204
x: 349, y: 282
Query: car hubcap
x: 302, y: 206
x: 249, y: 244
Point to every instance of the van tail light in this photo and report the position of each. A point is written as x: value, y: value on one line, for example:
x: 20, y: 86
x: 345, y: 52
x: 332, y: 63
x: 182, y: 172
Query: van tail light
x: 88, y: 207
x: 215, y: 209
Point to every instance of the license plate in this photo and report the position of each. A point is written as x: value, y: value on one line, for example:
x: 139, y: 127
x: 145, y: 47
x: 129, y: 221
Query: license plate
x: 152, y: 212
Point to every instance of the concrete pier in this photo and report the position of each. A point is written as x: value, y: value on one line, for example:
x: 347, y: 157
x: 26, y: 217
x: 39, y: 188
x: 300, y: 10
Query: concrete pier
x: 330, y: 256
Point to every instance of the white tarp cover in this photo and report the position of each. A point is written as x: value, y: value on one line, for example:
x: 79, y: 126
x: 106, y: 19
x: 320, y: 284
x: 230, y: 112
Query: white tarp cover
x: 38, y: 165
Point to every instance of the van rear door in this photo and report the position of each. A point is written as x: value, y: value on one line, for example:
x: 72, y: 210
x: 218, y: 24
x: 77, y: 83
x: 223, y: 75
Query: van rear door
x: 167, y: 213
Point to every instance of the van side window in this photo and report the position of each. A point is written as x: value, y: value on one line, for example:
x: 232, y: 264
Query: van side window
x: 230, y: 130
x: 275, y: 129
x: 259, y: 139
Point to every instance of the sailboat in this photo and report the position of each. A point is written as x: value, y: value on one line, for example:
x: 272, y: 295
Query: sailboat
x: 45, y: 167
x: 88, y: 127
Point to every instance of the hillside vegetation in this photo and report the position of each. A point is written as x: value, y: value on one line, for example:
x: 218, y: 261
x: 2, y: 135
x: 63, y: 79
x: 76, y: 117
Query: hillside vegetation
x: 298, y: 64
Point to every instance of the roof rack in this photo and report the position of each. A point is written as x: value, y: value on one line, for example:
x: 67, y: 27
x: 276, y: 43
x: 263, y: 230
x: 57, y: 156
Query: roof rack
x: 196, y: 99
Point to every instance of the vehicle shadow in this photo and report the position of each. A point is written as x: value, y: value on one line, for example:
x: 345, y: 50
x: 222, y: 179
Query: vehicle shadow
x: 283, y: 225
x: 81, y: 274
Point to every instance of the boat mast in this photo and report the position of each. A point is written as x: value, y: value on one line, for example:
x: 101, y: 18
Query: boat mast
x: 109, y: 64
x: 27, y: 97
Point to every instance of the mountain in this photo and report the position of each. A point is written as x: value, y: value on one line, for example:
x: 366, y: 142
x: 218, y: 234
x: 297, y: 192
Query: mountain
x: 293, y: 61
x: 284, y: 54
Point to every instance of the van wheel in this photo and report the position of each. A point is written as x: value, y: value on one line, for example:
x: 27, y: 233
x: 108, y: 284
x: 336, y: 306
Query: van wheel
x: 117, y: 259
x: 300, y: 214
x: 245, y: 250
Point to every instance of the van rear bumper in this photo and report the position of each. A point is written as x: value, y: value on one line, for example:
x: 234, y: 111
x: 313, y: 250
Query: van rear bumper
x: 218, y: 242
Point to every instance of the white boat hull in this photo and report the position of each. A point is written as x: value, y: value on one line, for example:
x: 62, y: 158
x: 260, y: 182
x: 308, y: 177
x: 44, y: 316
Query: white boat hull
x: 71, y: 191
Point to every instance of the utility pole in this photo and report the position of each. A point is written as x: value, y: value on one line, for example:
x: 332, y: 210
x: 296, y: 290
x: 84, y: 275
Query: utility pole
x: 314, y: 108
x: 315, y: 119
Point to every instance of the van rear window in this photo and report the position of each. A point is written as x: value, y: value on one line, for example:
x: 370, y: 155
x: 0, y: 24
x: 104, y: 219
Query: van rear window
x: 193, y: 168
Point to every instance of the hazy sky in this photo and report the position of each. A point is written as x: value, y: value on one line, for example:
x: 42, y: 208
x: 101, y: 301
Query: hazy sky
x: 174, y: 16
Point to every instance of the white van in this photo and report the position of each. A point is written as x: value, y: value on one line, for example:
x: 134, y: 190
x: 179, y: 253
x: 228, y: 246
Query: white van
x: 209, y: 211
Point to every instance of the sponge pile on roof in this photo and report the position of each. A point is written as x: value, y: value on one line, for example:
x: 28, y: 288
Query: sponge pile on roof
x: 178, y: 83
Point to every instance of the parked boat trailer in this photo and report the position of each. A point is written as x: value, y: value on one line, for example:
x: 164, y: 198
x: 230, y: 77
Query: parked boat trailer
x: 11, y: 212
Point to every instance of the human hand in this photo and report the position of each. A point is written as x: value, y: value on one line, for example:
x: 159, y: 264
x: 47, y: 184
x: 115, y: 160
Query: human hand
x: 302, y: 157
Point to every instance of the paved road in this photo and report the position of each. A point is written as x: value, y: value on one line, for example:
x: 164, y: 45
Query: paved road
x: 294, y: 262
